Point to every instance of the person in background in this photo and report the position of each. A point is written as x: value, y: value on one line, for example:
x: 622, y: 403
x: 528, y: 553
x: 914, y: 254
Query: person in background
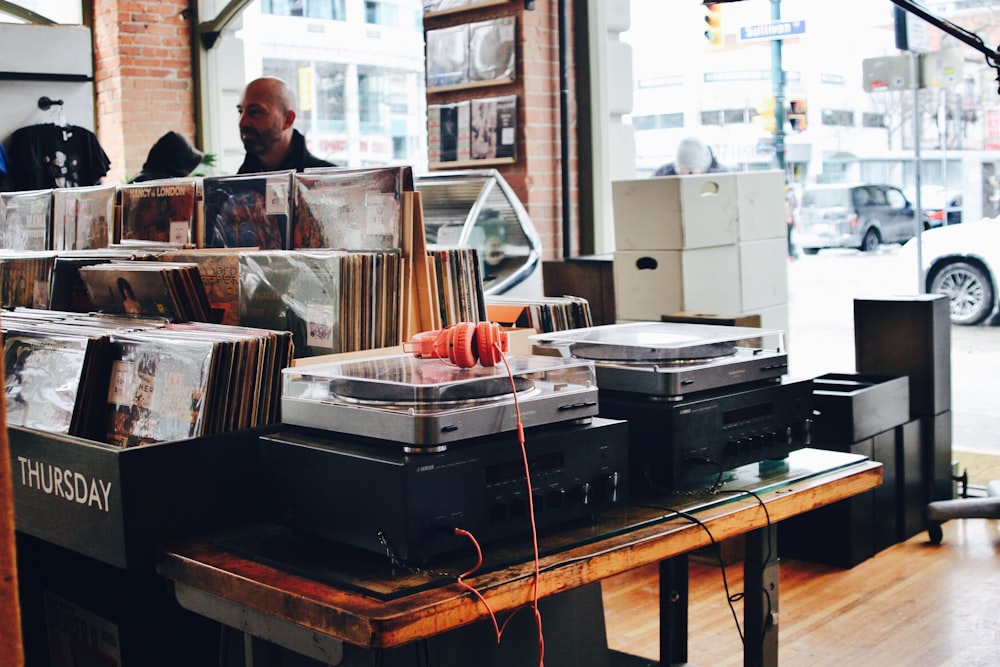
x: 693, y: 156
x: 791, y: 207
x: 267, y: 116
x: 172, y: 156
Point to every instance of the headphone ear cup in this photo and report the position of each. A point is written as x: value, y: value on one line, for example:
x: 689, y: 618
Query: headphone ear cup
x: 461, y: 351
x: 491, y: 341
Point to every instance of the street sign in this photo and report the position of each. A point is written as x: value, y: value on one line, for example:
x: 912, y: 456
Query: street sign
x: 886, y: 73
x: 772, y: 30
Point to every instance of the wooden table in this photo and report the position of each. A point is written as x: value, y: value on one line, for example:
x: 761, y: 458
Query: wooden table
x: 310, y: 602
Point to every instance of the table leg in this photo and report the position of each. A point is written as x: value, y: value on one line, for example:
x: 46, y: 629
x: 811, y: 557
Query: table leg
x: 760, y: 605
x: 673, y: 610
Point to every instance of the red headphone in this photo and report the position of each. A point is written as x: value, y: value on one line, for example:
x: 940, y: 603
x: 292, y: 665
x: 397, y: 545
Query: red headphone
x: 463, y: 344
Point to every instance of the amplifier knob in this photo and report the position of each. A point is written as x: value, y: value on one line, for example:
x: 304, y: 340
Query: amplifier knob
x: 611, y: 487
x: 585, y: 493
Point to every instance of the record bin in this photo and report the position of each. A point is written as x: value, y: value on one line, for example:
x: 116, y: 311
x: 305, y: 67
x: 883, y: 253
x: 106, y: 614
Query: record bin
x: 116, y: 505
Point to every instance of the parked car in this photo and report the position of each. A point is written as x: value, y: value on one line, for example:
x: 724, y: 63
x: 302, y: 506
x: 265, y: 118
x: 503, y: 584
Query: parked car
x: 941, y: 206
x: 961, y: 261
x: 860, y: 215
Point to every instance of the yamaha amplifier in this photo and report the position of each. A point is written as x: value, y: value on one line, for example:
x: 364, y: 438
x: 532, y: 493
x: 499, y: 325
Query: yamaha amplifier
x: 370, y: 493
x: 686, y: 444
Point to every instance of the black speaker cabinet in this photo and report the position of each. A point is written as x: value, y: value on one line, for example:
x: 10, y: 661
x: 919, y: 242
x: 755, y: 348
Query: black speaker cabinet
x: 849, y: 531
x: 908, y: 335
x: 910, y: 479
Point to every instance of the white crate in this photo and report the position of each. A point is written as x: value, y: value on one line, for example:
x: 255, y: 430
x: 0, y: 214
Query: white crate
x: 675, y: 212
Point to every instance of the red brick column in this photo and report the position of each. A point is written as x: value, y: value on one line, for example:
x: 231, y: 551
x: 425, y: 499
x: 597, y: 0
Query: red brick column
x: 537, y: 175
x: 143, y: 78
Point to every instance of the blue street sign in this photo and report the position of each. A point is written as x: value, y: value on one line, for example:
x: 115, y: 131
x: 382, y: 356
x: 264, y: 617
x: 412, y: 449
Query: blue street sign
x: 772, y: 30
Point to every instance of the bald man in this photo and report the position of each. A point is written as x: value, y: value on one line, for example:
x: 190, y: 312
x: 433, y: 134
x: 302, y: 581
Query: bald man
x: 267, y: 113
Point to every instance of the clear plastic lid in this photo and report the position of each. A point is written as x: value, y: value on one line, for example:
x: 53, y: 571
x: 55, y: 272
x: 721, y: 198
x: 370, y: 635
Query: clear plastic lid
x: 656, y: 341
x: 404, y: 381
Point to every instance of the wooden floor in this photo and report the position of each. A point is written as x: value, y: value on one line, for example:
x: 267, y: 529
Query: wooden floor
x: 912, y: 604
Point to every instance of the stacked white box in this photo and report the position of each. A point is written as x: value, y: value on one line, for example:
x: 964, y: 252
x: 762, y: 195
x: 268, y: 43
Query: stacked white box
x: 708, y: 243
x: 675, y: 212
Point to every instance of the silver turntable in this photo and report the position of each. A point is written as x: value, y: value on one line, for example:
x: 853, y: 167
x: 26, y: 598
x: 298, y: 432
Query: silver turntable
x: 425, y: 404
x: 670, y: 359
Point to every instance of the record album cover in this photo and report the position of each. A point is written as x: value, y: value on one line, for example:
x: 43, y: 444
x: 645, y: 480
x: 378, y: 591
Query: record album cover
x: 160, y: 211
x: 26, y: 220
x: 491, y: 50
x: 83, y: 218
x: 249, y: 210
x: 447, y: 56
x: 349, y: 209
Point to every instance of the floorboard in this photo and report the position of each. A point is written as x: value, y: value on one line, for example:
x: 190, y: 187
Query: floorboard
x: 914, y: 603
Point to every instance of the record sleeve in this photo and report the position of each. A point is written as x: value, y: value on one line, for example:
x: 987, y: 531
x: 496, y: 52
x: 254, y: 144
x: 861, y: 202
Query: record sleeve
x: 160, y: 211
x: 491, y: 50
x: 447, y: 56
x: 83, y: 218
x: 42, y: 378
x: 26, y: 219
x: 448, y: 127
x: 219, y: 269
x: 159, y: 388
x: 349, y: 209
x: 250, y: 210
x: 25, y: 278
x: 172, y: 291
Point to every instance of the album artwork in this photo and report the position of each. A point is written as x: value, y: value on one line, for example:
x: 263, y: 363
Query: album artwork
x: 349, y: 209
x: 493, y: 127
x: 26, y: 220
x: 159, y: 388
x: 25, y: 278
x: 250, y: 210
x: 44, y: 375
x: 219, y: 269
x: 448, y: 132
x: 83, y: 218
x: 447, y: 56
x: 491, y: 50
x: 160, y: 211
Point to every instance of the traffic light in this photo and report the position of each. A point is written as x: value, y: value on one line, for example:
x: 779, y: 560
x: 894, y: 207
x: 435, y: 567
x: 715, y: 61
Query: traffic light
x: 713, y: 26
x: 765, y: 115
x: 797, y: 114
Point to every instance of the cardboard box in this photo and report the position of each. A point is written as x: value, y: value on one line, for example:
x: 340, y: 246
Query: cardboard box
x: 651, y: 283
x: 675, y: 212
x: 763, y: 274
x: 761, y: 205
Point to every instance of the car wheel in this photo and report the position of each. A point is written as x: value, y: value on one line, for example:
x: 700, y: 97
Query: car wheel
x: 968, y: 289
x: 871, y: 241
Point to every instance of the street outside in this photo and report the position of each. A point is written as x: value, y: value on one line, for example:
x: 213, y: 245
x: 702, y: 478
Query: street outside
x: 822, y: 289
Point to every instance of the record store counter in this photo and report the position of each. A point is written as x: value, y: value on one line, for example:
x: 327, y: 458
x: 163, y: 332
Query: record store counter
x: 326, y: 601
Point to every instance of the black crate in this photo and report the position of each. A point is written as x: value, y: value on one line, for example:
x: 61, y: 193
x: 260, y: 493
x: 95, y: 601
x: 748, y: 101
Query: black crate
x: 116, y: 505
x: 850, y: 407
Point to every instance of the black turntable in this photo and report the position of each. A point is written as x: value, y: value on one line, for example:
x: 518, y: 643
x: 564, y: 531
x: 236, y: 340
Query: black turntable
x: 700, y: 399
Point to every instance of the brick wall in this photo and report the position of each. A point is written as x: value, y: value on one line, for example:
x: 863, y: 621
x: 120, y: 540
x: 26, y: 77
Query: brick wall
x: 143, y: 78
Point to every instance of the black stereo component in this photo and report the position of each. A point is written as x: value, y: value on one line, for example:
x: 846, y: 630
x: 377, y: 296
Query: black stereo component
x: 686, y: 444
x: 371, y: 494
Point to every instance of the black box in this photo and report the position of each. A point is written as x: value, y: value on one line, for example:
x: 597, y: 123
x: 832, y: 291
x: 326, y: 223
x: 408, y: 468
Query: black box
x: 911, y: 486
x: 115, y: 504
x: 852, y: 530
x: 851, y: 407
x: 907, y: 336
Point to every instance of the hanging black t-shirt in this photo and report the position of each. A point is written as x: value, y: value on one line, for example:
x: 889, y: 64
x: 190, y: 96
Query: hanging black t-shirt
x: 55, y: 156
